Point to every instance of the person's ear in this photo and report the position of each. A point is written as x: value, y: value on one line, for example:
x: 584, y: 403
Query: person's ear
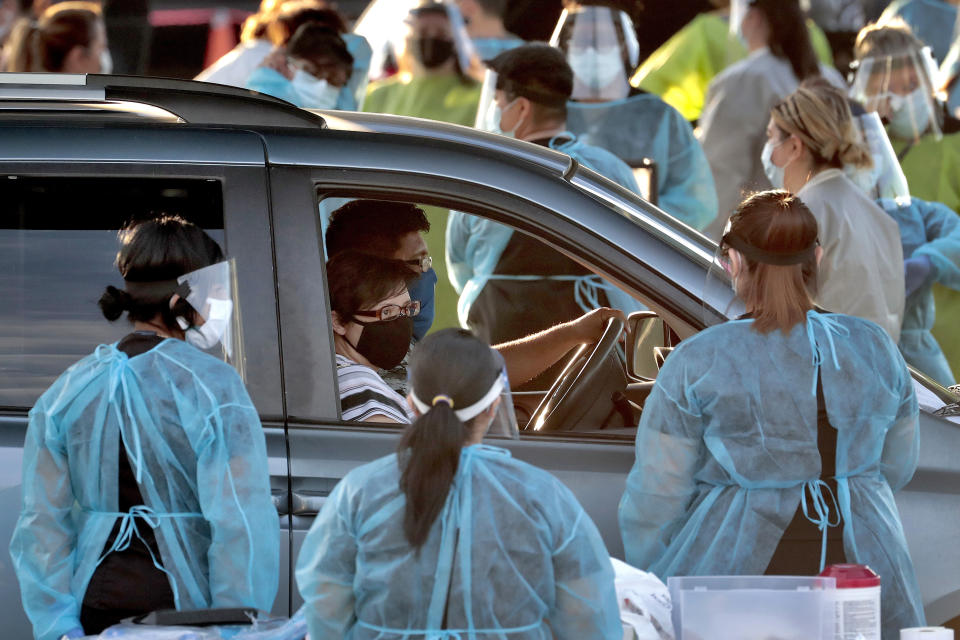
x: 524, y: 113
x: 795, y: 149
x: 339, y: 326
x: 491, y: 411
x: 736, y: 263
x: 76, y: 60
x: 818, y: 254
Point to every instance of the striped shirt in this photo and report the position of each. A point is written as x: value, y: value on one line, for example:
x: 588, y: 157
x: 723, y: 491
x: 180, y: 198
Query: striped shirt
x: 363, y: 394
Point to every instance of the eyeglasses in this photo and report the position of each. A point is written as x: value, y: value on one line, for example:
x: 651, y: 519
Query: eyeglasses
x: 392, y: 311
x: 423, y: 263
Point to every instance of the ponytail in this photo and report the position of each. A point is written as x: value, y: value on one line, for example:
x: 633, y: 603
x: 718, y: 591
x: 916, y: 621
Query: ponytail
x: 153, y: 254
x: 114, y: 302
x: 430, y: 457
x: 448, y: 369
x: 23, y: 46
x: 43, y: 44
x: 789, y: 36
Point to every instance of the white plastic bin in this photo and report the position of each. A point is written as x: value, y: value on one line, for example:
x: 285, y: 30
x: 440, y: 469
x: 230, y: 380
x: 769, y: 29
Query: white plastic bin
x: 753, y: 607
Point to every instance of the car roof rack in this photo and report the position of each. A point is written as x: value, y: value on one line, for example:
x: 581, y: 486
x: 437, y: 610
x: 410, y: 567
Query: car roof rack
x: 191, y: 101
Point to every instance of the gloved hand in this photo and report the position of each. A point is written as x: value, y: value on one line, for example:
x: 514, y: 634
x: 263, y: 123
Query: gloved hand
x: 916, y: 270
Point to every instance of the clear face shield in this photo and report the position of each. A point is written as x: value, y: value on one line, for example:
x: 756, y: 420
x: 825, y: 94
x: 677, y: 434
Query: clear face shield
x: 212, y: 292
x: 488, y: 118
x: 901, y: 89
x: 601, y: 46
x: 414, y: 43
x: 738, y: 11
x: 504, y: 422
x: 885, y: 179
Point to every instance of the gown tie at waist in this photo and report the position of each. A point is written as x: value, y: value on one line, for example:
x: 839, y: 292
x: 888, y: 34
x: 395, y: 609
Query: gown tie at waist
x: 822, y: 511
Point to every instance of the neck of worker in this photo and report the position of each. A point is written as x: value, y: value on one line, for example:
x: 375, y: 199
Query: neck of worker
x: 446, y: 69
x: 757, y: 38
x: 156, y: 325
x: 541, y: 130
x: 486, y: 26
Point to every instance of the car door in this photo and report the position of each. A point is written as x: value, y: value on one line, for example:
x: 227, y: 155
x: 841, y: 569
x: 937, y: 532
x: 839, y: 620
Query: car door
x: 67, y: 190
x: 304, y: 171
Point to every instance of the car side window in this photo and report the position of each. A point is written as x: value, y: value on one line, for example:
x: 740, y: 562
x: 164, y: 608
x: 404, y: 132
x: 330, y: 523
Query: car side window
x: 502, y: 284
x: 58, y: 243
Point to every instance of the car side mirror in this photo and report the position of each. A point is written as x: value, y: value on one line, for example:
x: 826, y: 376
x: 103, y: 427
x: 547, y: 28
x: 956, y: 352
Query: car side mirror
x: 646, y: 338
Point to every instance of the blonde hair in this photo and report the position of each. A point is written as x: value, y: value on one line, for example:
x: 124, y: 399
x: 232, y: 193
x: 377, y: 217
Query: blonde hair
x: 777, y: 296
x: 43, y: 45
x: 255, y: 27
x: 888, y: 38
x: 820, y: 117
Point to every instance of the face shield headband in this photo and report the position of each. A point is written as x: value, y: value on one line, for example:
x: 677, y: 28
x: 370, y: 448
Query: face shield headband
x: 777, y: 258
x: 466, y: 413
x: 155, y: 289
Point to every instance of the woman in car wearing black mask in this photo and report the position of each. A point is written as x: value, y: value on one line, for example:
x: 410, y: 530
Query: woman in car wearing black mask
x: 431, y: 81
x: 372, y: 324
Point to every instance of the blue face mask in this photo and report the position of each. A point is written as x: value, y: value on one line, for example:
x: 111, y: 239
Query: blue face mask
x: 422, y: 289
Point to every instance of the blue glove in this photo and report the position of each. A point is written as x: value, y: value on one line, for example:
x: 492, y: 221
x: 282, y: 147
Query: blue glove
x: 916, y: 270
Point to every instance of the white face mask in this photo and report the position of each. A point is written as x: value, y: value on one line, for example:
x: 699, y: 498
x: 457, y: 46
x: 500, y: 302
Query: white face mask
x: 911, y: 114
x: 495, y: 117
x: 774, y: 173
x: 216, y: 327
x: 596, y: 68
x: 106, y: 61
x: 313, y: 93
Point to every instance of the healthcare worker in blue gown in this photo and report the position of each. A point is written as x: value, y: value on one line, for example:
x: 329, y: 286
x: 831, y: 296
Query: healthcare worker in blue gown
x: 452, y: 538
x: 510, y: 284
x: 601, y: 46
x: 930, y: 235
x: 273, y: 75
x: 774, y: 443
x: 145, y: 480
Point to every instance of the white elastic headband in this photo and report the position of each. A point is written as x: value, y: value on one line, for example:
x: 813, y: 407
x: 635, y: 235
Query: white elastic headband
x: 471, y: 412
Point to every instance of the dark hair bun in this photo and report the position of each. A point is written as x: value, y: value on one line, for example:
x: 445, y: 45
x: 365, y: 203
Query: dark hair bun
x: 114, y: 302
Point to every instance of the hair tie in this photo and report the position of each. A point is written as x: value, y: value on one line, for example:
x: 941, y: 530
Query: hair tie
x: 442, y: 398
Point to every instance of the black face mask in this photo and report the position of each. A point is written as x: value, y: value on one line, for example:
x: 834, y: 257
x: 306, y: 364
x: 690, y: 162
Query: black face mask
x: 433, y: 52
x: 386, y: 342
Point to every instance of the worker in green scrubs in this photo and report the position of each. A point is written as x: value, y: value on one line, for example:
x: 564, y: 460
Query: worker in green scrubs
x: 895, y: 78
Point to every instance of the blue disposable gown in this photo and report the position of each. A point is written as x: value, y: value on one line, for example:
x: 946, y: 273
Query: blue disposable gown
x: 518, y: 553
x: 474, y: 245
x: 928, y: 229
x: 644, y: 126
x: 728, y: 439
x: 194, y: 441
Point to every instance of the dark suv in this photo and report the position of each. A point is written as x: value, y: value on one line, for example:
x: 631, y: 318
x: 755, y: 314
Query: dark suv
x: 81, y: 155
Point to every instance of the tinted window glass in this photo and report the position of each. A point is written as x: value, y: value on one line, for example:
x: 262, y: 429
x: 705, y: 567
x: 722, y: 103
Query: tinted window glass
x: 58, y: 242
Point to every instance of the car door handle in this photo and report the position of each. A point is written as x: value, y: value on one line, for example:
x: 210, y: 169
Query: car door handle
x: 281, y: 501
x: 308, y: 503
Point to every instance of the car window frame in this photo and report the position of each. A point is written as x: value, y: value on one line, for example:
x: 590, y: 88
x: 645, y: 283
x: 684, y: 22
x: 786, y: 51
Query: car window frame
x: 312, y: 394
x: 245, y: 210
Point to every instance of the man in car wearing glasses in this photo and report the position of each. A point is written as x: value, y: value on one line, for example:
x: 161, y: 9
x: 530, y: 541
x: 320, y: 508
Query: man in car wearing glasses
x: 376, y: 320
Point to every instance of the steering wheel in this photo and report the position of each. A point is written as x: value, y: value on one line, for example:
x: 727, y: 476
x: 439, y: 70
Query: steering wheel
x: 570, y: 395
